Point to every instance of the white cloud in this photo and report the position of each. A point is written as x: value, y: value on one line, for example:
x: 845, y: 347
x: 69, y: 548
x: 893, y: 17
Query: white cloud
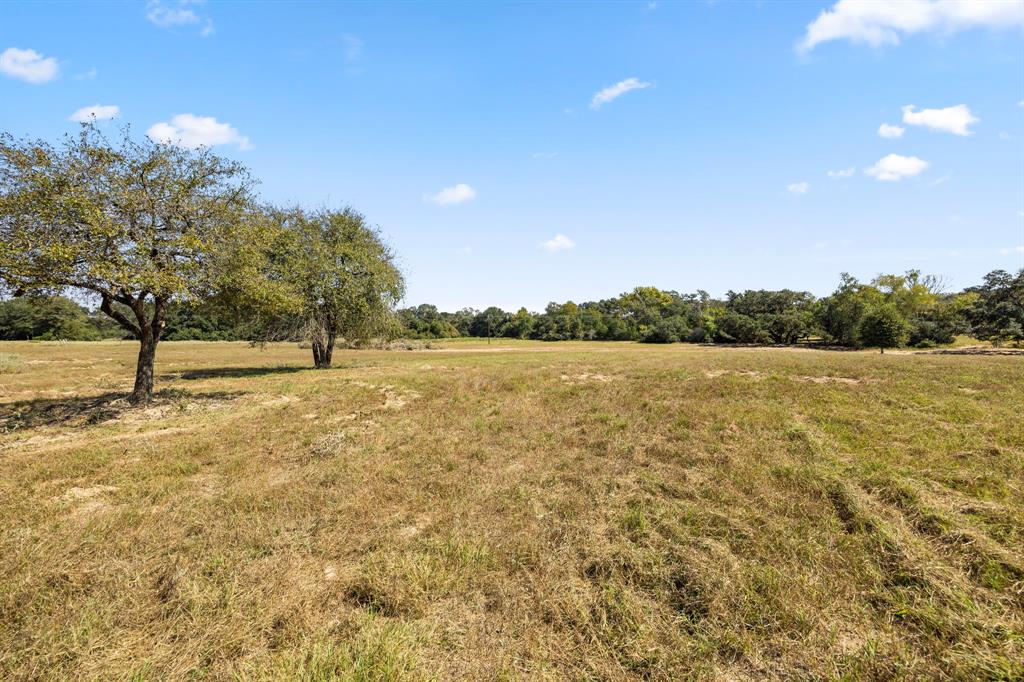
x: 97, y: 112
x: 893, y: 168
x: 87, y: 75
x: 457, y: 194
x: 951, y: 119
x: 842, y: 173
x: 179, y: 14
x: 1017, y: 249
x: 890, y: 132
x: 883, y: 23
x: 558, y: 243
x: 798, y: 188
x: 608, y: 94
x: 28, y: 65
x: 191, y: 132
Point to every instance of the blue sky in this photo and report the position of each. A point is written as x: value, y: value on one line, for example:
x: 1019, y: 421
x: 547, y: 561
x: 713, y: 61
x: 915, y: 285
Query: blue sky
x: 475, y: 136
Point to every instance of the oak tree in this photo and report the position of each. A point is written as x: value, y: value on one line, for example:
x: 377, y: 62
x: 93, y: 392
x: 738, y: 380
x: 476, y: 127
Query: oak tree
x: 134, y: 223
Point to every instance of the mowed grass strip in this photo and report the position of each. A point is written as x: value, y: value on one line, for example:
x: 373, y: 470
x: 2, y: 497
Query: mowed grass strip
x: 513, y: 510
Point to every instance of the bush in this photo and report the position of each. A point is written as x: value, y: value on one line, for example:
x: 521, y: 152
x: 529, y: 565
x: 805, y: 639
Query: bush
x: 671, y: 330
x: 882, y: 327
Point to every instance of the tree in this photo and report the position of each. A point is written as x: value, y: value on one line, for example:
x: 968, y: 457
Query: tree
x: 134, y: 223
x: 489, y: 323
x: 997, y: 312
x: 882, y: 327
x: 336, y: 278
x: 840, y: 314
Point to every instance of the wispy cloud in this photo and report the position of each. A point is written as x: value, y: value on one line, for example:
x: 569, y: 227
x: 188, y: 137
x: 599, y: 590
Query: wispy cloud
x: 191, y: 132
x: 798, y: 187
x: 456, y: 194
x: 893, y: 168
x: 558, y: 243
x: 612, y: 92
x: 842, y: 173
x: 97, y: 112
x: 951, y: 119
x: 1015, y: 249
x: 878, y: 23
x: 180, y: 13
x: 353, y: 47
x: 28, y: 65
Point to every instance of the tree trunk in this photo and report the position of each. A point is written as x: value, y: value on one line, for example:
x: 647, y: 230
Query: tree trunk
x: 149, y: 335
x: 329, y: 351
x: 143, y: 391
x: 322, y: 353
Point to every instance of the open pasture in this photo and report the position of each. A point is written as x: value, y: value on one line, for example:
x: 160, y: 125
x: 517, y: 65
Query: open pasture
x: 518, y: 510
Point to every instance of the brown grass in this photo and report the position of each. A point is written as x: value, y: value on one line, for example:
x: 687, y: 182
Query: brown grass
x: 518, y: 511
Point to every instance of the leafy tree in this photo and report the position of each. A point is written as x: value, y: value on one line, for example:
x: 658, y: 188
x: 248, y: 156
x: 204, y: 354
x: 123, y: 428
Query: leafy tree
x: 882, y: 327
x: 783, y: 316
x: 940, y: 322
x: 839, y: 315
x: 45, y: 317
x: 997, y: 312
x: 489, y: 323
x: 519, y: 325
x: 333, y: 276
x: 134, y: 223
x: 733, y: 327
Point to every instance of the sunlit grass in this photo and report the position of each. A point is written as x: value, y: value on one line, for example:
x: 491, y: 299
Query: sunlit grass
x: 513, y: 510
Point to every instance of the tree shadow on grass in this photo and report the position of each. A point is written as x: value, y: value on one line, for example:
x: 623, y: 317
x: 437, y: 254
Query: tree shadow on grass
x: 88, y: 410
x: 230, y: 372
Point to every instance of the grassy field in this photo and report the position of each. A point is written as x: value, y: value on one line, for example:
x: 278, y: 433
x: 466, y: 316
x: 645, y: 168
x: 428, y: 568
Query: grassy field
x: 511, y: 511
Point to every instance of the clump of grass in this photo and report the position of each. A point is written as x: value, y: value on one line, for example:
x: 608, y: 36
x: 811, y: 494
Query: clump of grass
x: 11, y: 363
x: 380, y: 653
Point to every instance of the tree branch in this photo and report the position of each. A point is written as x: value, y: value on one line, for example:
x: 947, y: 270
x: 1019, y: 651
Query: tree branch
x: 118, y: 316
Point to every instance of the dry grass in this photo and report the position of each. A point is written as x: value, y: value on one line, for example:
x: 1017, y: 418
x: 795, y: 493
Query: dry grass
x: 513, y: 511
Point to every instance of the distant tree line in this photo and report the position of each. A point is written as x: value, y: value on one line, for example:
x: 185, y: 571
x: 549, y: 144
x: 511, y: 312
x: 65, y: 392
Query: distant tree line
x: 891, y: 310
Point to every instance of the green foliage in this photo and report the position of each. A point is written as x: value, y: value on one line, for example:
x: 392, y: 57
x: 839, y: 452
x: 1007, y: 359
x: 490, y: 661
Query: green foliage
x: 126, y: 221
x: 996, y: 310
x: 840, y: 314
x: 46, y: 318
x: 317, y: 275
x: 882, y: 327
